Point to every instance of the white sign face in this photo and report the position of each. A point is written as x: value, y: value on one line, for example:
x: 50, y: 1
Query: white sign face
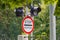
x: 27, y: 25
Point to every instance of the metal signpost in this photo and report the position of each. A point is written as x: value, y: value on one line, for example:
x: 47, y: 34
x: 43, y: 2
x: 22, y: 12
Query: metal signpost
x: 28, y: 21
x: 33, y: 19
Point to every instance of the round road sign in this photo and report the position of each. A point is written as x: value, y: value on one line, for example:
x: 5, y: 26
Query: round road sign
x: 27, y: 24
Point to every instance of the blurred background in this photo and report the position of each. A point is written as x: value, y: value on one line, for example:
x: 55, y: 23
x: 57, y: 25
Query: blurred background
x: 11, y: 25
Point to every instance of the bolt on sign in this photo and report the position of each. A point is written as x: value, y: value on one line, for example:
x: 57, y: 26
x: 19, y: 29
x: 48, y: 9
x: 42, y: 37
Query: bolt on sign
x: 28, y: 24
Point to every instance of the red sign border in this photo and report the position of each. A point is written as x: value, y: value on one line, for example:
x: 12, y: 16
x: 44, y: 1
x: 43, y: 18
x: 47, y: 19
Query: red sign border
x: 23, y: 26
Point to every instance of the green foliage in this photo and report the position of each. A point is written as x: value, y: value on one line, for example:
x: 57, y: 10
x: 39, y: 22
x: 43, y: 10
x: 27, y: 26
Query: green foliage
x: 13, y: 3
x: 41, y: 24
x: 57, y: 12
x: 58, y: 27
x: 10, y: 25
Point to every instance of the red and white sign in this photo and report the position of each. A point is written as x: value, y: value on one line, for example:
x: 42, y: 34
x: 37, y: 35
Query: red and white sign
x: 27, y: 25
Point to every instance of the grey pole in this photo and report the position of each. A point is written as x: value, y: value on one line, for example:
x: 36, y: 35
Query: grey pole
x: 33, y: 19
x: 52, y: 22
x: 26, y: 8
x: 27, y: 12
x: 32, y: 32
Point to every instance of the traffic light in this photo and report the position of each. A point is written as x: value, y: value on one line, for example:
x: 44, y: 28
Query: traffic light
x: 35, y: 10
x: 38, y: 9
x: 19, y: 12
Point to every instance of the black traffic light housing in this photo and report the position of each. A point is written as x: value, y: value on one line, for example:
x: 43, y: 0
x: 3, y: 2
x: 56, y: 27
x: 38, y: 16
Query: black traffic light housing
x: 19, y: 12
x: 35, y: 10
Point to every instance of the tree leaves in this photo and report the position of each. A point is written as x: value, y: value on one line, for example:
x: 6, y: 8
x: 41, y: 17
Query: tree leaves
x: 12, y: 4
x: 57, y: 12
